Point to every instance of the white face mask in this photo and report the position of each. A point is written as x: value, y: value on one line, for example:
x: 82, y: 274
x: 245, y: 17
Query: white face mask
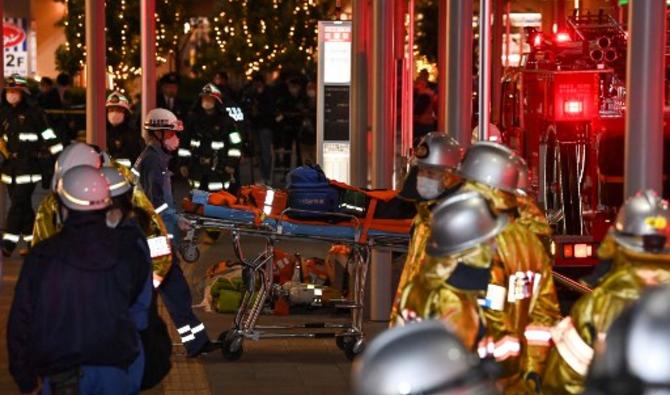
x: 113, y: 218
x: 207, y: 105
x: 172, y: 143
x: 13, y: 97
x: 429, y: 188
x: 115, y: 117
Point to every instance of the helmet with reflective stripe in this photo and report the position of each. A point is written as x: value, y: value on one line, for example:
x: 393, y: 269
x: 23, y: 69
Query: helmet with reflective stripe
x: 211, y: 90
x: 438, y: 150
x: 15, y: 81
x: 84, y: 188
x: 462, y: 221
x: 636, y: 358
x: 118, y: 185
x: 77, y: 154
x: 491, y: 164
x: 117, y: 99
x: 643, y: 223
x: 419, y: 358
x: 160, y: 119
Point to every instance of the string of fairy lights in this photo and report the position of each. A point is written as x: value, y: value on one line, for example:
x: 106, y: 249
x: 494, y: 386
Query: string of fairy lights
x: 249, y: 34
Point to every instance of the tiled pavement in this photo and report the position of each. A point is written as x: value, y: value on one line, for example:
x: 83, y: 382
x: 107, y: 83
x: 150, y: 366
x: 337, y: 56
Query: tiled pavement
x: 276, y: 367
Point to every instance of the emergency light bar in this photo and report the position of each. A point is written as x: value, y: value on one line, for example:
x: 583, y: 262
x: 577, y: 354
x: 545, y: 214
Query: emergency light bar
x: 159, y: 246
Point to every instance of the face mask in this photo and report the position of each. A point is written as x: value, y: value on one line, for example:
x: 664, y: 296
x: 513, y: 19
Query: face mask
x: 13, y: 97
x: 207, y: 105
x: 112, y: 220
x: 115, y: 117
x: 429, y: 188
x: 172, y: 143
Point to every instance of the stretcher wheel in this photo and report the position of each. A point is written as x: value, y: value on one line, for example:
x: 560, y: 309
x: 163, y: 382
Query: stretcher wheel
x: 345, y: 341
x: 190, y: 252
x: 231, y: 346
x: 354, y: 348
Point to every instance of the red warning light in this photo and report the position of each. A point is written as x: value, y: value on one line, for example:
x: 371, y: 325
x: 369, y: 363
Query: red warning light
x: 537, y: 40
x: 573, y: 107
x: 562, y: 37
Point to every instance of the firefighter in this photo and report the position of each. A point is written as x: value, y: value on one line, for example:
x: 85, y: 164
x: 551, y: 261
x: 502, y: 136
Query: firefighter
x: 641, y: 259
x: 124, y: 142
x: 522, y: 303
x: 215, y: 145
x: 48, y: 221
x: 162, y: 127
x: 421, y: 358
x: 530, y: 215
x: 457, y: 271
x: 71, y: 322
x: 634, y: 359
x: 435, y: 160
x: 30, y: 142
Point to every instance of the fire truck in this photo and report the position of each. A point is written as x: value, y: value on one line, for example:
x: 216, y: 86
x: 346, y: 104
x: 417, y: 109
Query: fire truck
x: 564, y: 111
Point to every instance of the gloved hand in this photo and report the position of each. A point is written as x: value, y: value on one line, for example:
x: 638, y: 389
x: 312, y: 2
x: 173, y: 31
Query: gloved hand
x: 183, y: 224
x: 533, y: 382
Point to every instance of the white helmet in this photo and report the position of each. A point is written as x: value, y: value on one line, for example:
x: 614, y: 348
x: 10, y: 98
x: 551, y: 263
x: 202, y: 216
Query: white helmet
x: 84, y: 188
x: 118, y: 185
x: 160, y: 119
x: 77, y: 154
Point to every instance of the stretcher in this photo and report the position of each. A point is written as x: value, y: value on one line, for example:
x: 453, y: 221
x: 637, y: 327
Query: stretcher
x: 360, y: 235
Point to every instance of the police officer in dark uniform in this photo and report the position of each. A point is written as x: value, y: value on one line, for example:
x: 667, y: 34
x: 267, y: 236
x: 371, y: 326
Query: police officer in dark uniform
x: 154, y: 177
x: 29, y: 145
x: 167, y: 97
x: 215, y: 144
x: 124, y: 142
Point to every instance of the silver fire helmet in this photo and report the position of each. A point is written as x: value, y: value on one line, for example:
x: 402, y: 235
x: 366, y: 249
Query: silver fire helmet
x: 439, y: 151
x: 462, y: 221
x: 420, y: 358
x: 491, y: 164
x: 643, y: 219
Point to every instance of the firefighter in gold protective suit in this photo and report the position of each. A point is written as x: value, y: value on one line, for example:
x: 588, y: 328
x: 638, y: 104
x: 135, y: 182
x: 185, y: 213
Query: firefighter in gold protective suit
x: 48, y: 221
x: 641, y: 259
x: 521, y: 305
x: 435, y: 159
x: 457, y: 269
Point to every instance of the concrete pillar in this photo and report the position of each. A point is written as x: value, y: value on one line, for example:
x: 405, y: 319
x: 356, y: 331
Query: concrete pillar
x: 358, y: 108
x: 148, y: 37
x: 383, y: 140
x: 645, y: 96
x: 96, y: 73
x: 455, y: 68
x: 484, y: 96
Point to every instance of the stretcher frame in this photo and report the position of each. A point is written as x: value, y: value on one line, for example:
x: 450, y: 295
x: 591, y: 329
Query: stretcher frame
x: 257, y: 277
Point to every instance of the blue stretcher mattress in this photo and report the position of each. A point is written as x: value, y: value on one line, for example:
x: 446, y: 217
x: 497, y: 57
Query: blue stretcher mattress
x: 287, y: 227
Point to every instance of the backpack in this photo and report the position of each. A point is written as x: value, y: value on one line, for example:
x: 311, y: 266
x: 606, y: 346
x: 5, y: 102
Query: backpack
x: 308, y: 189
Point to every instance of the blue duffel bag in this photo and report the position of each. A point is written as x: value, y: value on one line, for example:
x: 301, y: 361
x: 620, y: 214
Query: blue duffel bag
x: 308, y: 189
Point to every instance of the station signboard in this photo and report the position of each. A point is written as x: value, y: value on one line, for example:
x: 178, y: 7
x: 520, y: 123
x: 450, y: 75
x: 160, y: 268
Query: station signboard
x: 15, y: 38
x: 334, y: 79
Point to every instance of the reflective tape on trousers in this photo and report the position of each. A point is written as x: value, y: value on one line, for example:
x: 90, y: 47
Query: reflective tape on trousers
x: 571, y: 347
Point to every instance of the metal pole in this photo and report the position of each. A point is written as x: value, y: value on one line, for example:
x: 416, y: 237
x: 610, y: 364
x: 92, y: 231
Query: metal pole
x: 148, y: 33
x: 484, y: 96
x: 442, y: 60
x: 496, y: 59
x: 96, y: 75
x: 456, y: 69
x: 508, y: 31
x: 383, y: 139
x: 645, y: 96
x: 358, y: 109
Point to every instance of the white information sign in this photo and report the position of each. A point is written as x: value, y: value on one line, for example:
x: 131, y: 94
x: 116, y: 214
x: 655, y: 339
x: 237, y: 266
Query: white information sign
x: 15, y: 39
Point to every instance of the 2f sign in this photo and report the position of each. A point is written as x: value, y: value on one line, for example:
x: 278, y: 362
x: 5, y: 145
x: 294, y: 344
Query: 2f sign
x: 16, y: 54
x: 15, y: 63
